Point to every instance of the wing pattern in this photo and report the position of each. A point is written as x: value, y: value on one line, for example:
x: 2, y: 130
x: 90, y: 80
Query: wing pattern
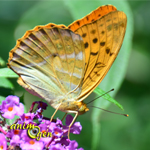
x: 102, y: 40
x: 50, y: 62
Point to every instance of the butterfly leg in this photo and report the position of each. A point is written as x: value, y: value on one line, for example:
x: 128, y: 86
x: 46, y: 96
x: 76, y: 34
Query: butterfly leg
x: 53, y: 115
x: 75, y: 117
x: 55, y: 112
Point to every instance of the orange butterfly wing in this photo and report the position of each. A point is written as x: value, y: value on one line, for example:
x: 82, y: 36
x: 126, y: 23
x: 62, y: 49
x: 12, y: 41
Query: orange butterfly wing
x: 103, y: 32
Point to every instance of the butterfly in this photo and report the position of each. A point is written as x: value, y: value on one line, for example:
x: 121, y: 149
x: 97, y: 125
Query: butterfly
x: 63, y: 65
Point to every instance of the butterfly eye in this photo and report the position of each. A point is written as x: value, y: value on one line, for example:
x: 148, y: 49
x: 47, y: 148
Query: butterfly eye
x: 33, y: 132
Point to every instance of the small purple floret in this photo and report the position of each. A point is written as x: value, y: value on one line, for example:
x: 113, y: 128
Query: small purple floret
x: 11, y: 108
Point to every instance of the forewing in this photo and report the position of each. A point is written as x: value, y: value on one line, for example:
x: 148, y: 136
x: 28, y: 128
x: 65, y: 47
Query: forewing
x: 102, y: 39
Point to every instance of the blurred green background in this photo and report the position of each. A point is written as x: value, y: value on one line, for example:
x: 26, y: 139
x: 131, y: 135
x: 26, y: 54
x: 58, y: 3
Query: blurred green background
x: 130, y: 74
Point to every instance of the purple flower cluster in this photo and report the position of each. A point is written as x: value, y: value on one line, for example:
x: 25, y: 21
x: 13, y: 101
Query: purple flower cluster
x: 26, y: 134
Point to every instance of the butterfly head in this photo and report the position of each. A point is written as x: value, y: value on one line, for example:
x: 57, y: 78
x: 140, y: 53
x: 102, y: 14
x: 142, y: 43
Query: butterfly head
x: 82, y: 108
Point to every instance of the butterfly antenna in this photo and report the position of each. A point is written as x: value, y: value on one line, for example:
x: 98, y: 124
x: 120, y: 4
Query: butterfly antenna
x: 100, y: 96
x: 110, y: 111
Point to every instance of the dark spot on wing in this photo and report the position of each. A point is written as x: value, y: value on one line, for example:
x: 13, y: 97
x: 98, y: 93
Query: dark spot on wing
x: 102, y: 43
x: 99, y: 65
x: 111, y: 54
x: 95, y: 40
x: 94, y: 54
x: 107, y: 50
x: 93, y: 31
x: 84, y: 35
x: 86, y: 45
x: 78, y: 22
x: 102, y: 32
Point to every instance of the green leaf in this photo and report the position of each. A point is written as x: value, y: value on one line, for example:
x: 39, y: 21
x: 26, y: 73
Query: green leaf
x: 107, y: 97
x: 8, y: 73
x: 5, y: 83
